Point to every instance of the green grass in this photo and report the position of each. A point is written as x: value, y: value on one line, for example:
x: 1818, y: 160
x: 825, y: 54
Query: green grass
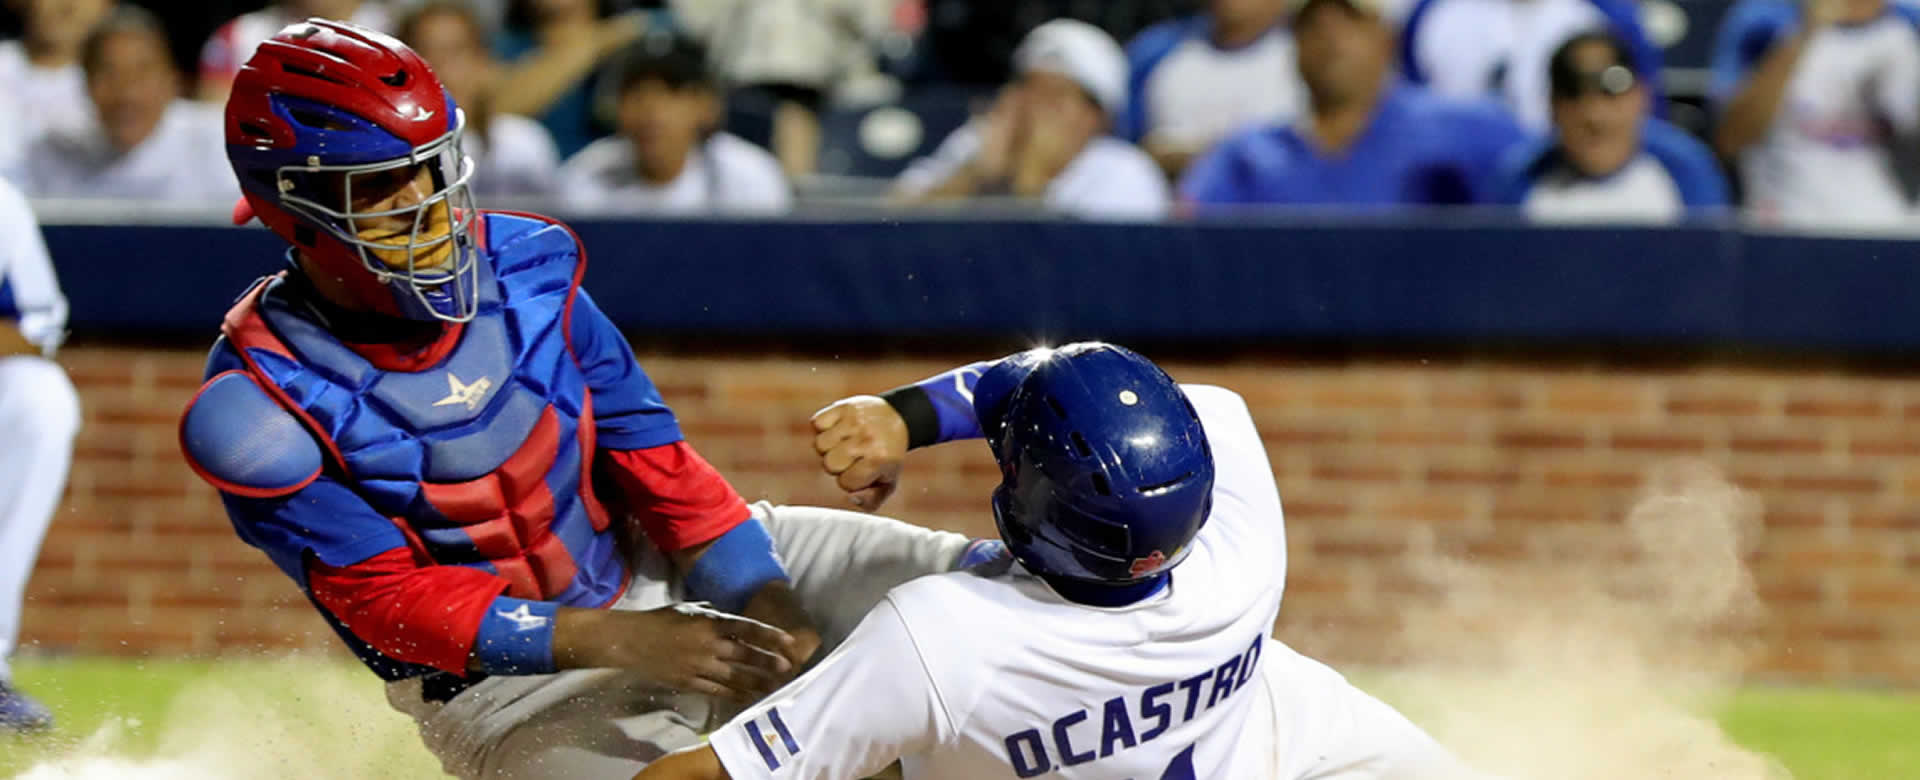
x: 1831, y: 734
x: 327, y: 719
x: 86, y: 693
x: 249, y: 718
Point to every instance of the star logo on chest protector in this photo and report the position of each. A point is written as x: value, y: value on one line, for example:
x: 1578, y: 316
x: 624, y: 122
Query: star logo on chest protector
x: 459, y: 392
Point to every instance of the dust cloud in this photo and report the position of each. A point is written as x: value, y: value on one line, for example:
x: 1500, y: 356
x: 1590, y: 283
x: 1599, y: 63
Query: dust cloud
x: 296, y: 717
x: 1607, y: 659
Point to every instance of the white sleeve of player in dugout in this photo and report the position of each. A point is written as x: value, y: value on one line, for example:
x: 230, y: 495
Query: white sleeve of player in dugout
x: 27, y: 274
x: 866, y: 705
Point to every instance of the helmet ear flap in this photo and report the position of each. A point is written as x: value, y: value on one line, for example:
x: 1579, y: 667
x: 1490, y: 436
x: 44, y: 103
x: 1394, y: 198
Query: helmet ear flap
x: 1013, y: 530
x: 1003, y: 511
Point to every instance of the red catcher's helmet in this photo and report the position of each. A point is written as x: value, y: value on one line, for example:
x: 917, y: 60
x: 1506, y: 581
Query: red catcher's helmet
x: 327, y: 119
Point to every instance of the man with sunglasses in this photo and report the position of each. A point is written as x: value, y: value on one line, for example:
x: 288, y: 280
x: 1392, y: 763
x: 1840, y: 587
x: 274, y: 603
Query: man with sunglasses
x: 430, y: 427
x: 1609, y: 159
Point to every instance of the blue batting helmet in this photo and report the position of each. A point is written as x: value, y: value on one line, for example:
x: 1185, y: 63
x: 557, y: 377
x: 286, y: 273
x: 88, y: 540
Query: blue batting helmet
x: 1106, y: 475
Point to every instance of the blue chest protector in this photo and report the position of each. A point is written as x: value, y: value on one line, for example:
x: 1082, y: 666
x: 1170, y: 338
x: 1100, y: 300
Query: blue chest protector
x: 481, y: 458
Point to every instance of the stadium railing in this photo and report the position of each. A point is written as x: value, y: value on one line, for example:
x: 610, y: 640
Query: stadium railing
x: 1453, y: 278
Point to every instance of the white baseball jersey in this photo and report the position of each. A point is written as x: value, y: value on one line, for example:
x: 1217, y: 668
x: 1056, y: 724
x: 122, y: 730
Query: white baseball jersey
x: 1196, y: 93
x: 725, y: 175
x: 50, y: 98
x: 811, y: 43
x: 515, y: 158
x: 1641, y: 191
x: 39, y: 410
x: 183, y: 160
x: 29, y: 290
x: 1826, y: 158
x: 990, y: 674
x: 1109, y: 179
x: 13, y: 137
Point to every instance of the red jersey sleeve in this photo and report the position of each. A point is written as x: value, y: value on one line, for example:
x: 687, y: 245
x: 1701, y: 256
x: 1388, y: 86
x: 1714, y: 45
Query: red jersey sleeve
x: 676, y: 496
x: 426, y: 615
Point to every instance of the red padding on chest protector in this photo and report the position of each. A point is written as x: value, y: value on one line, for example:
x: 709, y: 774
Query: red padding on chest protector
x: 509, y: 515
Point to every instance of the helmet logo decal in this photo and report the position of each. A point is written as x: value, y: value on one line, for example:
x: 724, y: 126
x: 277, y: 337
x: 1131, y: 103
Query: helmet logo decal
x: 421, y: 114
x: 459, y: 392
x: 1129, y: 398
x: 1141, y: 566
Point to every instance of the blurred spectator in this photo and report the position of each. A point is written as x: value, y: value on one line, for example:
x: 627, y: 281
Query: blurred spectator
x: 669, y: 156
x: 39, y: 414
x: 1045, y: 137
x: 1198, y: 79
x: 1499, y: 48
x: 1609, y: 159
x: 492, y: 14
x: 513, y: 156
x: 1811, y: 97
x: 794, y: 53
x: 233, y: 43
x: 42, y: 68
x: 1368, y: 141
x: 554, y: 47
x: 149, y: 143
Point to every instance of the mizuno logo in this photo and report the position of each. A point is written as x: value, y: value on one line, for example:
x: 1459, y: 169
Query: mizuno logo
x: 960, y: 382
x: 459, y: 392
x: 523, y: 618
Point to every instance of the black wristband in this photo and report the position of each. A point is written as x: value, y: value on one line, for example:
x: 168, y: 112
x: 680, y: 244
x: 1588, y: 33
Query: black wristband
x: 923, y: 421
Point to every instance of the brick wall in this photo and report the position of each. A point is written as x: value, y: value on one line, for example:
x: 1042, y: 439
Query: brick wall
x: 1503, y: 461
